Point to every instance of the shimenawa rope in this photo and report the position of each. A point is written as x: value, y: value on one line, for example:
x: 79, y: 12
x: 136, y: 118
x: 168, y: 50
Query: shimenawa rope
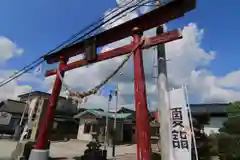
x: 81, y: 95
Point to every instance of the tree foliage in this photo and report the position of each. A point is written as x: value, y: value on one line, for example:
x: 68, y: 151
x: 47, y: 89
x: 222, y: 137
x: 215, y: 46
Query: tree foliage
x: 228, y: 140
x: 202, y: 141
x: 231, y: 126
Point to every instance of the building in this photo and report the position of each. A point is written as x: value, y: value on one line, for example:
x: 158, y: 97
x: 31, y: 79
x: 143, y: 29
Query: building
x: 92, y: 125
x: 84, y: 124
x: 14, y: 109
x: 65, y: 126
x: 121, y: 110
x: 65, y: 106
x: 212, y: 115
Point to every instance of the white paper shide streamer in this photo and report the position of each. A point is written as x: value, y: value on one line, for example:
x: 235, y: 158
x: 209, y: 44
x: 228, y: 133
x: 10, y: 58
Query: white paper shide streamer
x: 181, y: 130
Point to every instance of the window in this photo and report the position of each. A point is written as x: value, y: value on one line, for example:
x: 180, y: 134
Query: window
x: 133, y: 131
x: 94, y: 128
x: 55, y: 124
x: 87, y: 128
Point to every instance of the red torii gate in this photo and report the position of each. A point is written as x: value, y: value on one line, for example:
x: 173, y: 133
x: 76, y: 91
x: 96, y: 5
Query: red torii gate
x: 135, y: 27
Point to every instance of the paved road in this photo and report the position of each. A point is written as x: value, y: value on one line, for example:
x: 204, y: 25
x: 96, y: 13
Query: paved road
x: 124, y: 157
x: 69, y: 150
x: 6, y: 148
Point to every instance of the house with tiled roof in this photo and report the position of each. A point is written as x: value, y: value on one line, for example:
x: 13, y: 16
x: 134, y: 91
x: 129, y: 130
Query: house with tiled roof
x: 92, y: 125
x: 65, y: 106
x: 64, y: 123
x: 14, y: 109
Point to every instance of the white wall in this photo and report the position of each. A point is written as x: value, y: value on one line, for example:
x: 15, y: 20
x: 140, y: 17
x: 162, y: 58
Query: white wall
x: 81, y: 135
x: 215, y: 123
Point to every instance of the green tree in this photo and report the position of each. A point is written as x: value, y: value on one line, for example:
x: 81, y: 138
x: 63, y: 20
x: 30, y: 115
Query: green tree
x: 202, y: 140
x: 229, y: 137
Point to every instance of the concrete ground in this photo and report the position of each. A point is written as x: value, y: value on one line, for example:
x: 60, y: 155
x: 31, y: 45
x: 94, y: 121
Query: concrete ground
x: 75, y: 148
x: 70, y: 150
x: 6, y: 148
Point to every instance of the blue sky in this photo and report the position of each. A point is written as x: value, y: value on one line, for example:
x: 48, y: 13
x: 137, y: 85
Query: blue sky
x: 221, y: 26
x: 38, y: 26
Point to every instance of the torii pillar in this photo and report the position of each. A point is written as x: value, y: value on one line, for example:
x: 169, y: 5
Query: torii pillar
x: 41, y: 149
x: 142, y: 123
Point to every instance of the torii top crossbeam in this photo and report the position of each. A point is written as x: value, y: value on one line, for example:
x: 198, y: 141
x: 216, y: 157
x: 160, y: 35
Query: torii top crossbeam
x: 172, y: 10
x: 135, y: 27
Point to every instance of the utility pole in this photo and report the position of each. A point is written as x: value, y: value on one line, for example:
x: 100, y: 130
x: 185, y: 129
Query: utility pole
x: 164, y: 101
x: 106, y: 123
x: 115, y: 122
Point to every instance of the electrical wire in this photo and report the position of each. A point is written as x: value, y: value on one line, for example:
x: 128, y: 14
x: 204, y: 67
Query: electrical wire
x: 93, y: 24
x: 72, y: 37
x: 95, y: 89
x: 125, y: 14
x: 40, y: 60
x: 104, y: 22
x: 20, y: 73
x: 69, y: 39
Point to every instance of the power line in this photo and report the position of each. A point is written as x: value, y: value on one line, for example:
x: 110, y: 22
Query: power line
x: 69, y: 39
x: 115, y: 16
x: 19, y: 74
x: 41, y: 60
x: 91, y: 25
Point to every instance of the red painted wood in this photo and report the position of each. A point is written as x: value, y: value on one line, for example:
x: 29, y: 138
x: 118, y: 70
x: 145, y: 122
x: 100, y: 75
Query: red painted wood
x: 46, y: 125
x: 143, y: 129
x: 159, y: 16
x: 152, y: 41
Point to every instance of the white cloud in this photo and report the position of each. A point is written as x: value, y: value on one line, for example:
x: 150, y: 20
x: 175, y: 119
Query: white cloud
x: 12, y: 90
x: 230, y: 80
x: 102, y: 102
x: 185, y: 55
x: 17, y: 86
x: 8, y: 49
x: 206, y: 86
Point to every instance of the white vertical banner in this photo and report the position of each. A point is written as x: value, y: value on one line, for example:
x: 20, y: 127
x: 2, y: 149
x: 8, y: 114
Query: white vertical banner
x: 181, y: 130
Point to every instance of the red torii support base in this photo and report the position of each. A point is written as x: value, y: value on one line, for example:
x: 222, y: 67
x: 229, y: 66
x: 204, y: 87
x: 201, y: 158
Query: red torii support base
x: 143, y: 137
x: 161, y: 15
